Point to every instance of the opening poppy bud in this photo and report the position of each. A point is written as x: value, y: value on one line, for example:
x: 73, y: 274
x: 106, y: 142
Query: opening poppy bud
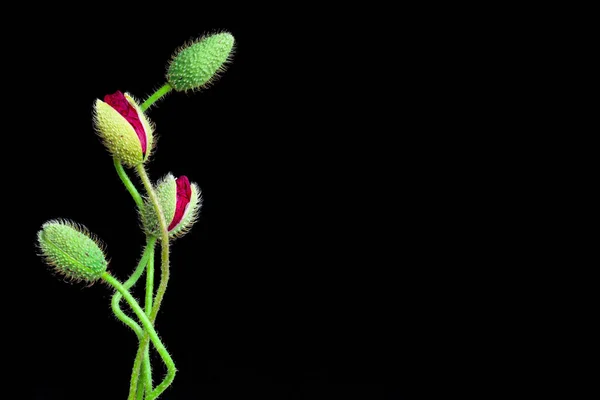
x: 72, y: 250
x: 197, y: 64
x: 124, y: 129
x: 180, y: 202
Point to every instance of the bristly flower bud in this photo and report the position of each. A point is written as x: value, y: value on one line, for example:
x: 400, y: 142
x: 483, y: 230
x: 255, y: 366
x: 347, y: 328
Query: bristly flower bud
x: 124, y: 129
x: 180, y: 202
x: 197, y: 64
x: 72, y: 250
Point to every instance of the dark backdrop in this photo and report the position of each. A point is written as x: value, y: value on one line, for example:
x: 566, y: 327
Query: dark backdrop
x: 279, y: 291
x: 364, y: 194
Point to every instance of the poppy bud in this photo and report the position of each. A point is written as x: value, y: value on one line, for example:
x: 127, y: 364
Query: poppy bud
x: 72, y: 250
x: 196, y: 64
x: 180, y: 202
x: 124, y: 129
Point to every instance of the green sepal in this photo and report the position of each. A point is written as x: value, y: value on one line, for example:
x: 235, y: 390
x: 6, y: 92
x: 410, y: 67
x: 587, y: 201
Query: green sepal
x: 118, y: 135
x: 197, y: 64
x: 72, y: 250
x: 166, y: 191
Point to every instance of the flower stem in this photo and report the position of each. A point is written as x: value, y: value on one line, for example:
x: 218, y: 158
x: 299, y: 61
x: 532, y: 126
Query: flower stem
x: 148, y: 251
x: 150, y: 283
x: 147, y: 372
x: 151, y: 333
x: 140, y: 389
x: 164, y: 278
x: 147, y: 257
x: 149, y: 298
x: 164, y: 268
x: 164, y: 89
x: 127, y: 182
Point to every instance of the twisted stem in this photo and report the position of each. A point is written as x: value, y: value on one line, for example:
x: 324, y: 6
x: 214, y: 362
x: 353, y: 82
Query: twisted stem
x: 162, y: 287
x: 146, y: 374
x: 116, y: 299
x: 151, y: 333
x: 147, y: 257
x: 164, y: 237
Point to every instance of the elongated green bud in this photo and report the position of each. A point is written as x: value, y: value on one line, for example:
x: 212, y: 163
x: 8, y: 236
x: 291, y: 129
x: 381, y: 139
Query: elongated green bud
x: 180, y: 202
x: 197, y: 64
x: 124, y: 129
x: 72, y: 250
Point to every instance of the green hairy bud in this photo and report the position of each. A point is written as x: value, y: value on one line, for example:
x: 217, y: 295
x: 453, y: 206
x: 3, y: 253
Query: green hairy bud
x: 124, y: 129
x: 197, y: 64
x: 165, y: 192
x: 72, y: 250
x: 180, y: 202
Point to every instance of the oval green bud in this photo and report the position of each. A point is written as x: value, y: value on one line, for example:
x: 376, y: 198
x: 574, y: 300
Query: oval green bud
x: 180, y: 202
x: 124, y: 129
x: 72, y: 250
x: 198, y: 64
x: 165, y: 190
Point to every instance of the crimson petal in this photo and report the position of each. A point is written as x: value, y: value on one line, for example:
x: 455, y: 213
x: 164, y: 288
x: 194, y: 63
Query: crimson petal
x: 118, y: 101
x: 184, y: 195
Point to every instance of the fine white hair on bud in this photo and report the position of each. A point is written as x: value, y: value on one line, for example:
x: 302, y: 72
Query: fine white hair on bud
x: 197, y: 64
x: 180, y: 201
x: 72, y: 250
x: 124, y: 129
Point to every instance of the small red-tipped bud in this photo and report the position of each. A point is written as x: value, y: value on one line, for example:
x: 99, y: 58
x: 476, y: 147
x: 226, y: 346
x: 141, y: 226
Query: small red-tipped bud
x: 180, y: 202
x: 124, y: 129
x: 183, y: 195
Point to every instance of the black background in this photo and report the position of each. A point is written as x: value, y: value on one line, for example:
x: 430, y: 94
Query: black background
x: 281, y: 290
x: 368, y: 187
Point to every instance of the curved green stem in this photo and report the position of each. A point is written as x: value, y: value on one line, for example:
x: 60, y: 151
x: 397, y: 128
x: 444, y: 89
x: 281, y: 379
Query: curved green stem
x: 116, y: 299
x: 164, y: 89
x: 147, y: 255
x: 151, y: 333
x: 164, y: 277
x: 127, y: 182
x: 124, y: 318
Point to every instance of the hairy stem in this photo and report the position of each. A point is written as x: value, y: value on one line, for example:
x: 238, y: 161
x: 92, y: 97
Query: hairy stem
x: 149, y: 298
x: 150, y: 283
x: 127, y: 182
x: 147, y: 255
x: 140, y: 389
x: 164, y: 276
x: 164, y: 89
x: 164, y: 237
x: 116, y: 299
x: 146, y: 374
x: 151, y: 333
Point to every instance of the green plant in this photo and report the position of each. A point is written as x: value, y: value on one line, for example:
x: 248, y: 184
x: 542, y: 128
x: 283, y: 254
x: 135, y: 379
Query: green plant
x: 167, y: 211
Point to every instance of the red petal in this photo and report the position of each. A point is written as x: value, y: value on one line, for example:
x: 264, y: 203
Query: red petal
x: 118, y: 101
x: 184, y: 194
